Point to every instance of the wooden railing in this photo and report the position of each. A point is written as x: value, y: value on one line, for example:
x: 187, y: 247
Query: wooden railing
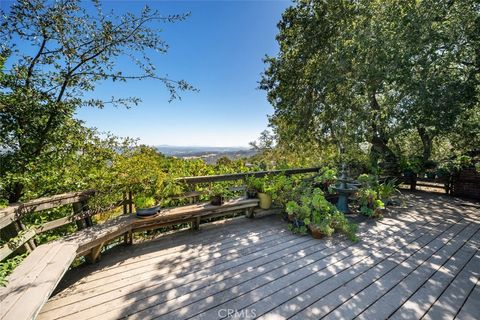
x: 21, y: 236
x: 243, y: 175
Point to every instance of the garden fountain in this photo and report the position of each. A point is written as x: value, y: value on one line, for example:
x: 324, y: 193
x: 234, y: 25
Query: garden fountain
x: 345, y: 188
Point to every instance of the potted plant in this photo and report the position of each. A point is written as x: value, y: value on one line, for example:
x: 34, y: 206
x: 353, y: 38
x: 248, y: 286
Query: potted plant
x: 326, y: 180
x: 217, y: 194
x: 146, y: 206
x: 321, y: 230
x: 292, y: 208
x: 264, y: 192
x: 386, y: 190
x: 253, y: 184
x: 313, y: 212
x: 370, y: 205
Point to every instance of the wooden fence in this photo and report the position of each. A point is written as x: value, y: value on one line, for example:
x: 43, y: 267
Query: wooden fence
x: 24, y: 237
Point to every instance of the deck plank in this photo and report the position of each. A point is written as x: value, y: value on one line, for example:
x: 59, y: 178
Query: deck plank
x: 452, y: 299
x: 335, y: 260
x: 387, y: 304
x: 362, y: 300
x: 164, y: 274
x: 173, y: 262
x: 411, y: 262
x: 419, y: 303
x: 322, y: 298
x: 470, y: 309
x: 176, y: 303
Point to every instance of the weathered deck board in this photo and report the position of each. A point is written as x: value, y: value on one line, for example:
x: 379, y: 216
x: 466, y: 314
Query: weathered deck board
x: 470, y: 309
x: 330, y: 255
x: 422, y: 259
x: 452, y: 299
x: 419, y: 303
x: 330, y: 278
x: 343, y: 285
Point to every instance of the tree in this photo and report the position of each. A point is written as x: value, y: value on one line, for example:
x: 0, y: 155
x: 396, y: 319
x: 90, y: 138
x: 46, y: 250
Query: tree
x: 438, y: 69
x: 320, y: 84
x: 74, y: 50
x: 349, y: 72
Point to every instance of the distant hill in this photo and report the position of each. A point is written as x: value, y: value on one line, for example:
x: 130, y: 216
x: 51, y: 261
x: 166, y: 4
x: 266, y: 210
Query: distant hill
x: 209, y: 154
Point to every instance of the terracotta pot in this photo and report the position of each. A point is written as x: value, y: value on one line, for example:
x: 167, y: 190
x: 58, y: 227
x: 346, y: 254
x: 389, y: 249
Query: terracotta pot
x: 265, y: 200
x: 316, y: 233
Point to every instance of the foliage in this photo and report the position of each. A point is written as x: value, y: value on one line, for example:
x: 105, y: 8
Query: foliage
x: 8, y: 266
x: 367, y: 180
x: 387, y: 189
x: 400, y: 77
x: 327, y: 175
x: 254, y: 183
x: 143, y: 202
x: 455, y: 164
x: 314, y: 211
x: 217, y: 189
x: 326, y: 179
x: 73, y: 50
x: 411, y: 166
x: 370, y: 205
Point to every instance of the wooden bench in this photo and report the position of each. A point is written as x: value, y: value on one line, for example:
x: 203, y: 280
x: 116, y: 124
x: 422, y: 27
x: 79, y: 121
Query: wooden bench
x: 34, y: 280
x: 91, y: 241
x: 194, y: 213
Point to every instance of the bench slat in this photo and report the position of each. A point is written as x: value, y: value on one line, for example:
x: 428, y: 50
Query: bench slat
x: 38, y: 273
x: 39, y: 290
x: 191, y: 211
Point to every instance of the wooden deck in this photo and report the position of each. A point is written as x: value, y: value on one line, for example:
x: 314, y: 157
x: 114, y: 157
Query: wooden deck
x: 421, y: 261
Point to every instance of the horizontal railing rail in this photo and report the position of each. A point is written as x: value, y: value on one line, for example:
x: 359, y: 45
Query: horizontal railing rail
x: 14, y: 211
x: 243, y: 175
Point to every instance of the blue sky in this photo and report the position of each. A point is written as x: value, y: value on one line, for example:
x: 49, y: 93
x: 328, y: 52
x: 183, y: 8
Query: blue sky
x: 219, y: 50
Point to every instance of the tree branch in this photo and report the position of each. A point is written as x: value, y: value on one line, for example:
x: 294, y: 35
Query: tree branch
x: 34, y: 61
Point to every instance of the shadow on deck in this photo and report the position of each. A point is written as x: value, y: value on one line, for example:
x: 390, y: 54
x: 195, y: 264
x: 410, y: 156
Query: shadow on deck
x: 419, y: 261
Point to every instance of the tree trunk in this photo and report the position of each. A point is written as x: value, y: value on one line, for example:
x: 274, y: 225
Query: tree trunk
x: 379, y: 141
x: 15, y: 192
x: 427, y: 142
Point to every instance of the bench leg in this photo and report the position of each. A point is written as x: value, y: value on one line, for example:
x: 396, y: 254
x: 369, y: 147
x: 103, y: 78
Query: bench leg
x: 196, y: 223
x: 94, y: 255
x: 249, y: 213
x: 128, y: 238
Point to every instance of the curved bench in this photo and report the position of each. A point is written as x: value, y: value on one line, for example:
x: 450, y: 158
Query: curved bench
x: 34, y: 280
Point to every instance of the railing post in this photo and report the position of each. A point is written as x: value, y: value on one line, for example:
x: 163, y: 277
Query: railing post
x: 78, y: 209
x: 88, y: 219
x: 125, y: 205
x: 196, y: 223
x: 130, y: 202
x: 30, y: 244
x: 128, y: 237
